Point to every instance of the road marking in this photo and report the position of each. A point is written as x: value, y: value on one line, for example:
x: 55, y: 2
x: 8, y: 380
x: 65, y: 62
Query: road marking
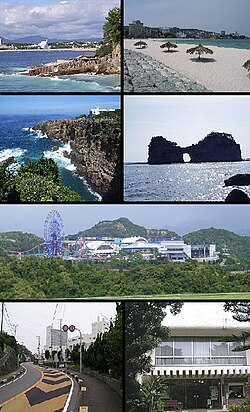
x: 83, y: 389
x: 70, y: 394
x: 83, y: 409
x: 22, y: 393
x: 19, y: 377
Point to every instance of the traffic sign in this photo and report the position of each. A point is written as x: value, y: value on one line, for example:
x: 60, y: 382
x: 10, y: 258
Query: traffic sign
x: 72, y: 328
x: 65, y: 328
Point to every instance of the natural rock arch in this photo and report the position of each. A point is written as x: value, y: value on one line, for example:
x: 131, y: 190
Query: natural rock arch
x: 215, y: 147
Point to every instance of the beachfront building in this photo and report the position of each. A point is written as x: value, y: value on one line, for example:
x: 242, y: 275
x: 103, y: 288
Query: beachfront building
x: 201, y: 369
x: 97, y: 110
x: 43, y: 44
x: 99, y: 327
x: 137, y: 30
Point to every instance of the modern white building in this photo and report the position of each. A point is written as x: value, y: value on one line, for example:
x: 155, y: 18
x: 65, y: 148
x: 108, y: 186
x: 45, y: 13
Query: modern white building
x: 43, y: 44
x: 56, y: 338
x: 1, y: 41
x: 100, y: 248
x: 98, y: 327
x: 202, y: 370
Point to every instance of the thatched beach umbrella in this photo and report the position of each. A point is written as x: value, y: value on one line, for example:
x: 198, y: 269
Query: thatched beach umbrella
x: 199, y: 50
x: 246, y: 65
x: 169, y: 45
x: 141, y: 44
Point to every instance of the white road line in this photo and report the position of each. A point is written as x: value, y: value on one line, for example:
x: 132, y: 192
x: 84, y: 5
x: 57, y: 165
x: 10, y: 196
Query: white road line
x: 70, y: 394
x: 19, y: 377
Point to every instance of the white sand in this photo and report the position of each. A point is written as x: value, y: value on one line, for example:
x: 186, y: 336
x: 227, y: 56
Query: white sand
x: 219, y: 72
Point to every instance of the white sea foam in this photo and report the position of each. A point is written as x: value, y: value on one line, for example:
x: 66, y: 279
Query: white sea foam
x: 6, y: 153
x: 62, y: 161
x: 59, y: 158
x: 16, y: 153
x: 37, y: 134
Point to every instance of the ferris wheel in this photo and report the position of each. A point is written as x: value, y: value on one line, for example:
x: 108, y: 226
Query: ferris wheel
x: 53, y: 234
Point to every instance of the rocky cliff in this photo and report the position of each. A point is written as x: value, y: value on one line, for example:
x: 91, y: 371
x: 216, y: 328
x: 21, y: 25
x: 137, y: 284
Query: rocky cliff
x: 215, y: 147
x: 96, y: 150
x: 78, y: 65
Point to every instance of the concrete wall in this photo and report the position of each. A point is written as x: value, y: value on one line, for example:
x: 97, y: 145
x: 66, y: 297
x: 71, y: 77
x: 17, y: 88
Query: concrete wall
x: 111, y: 382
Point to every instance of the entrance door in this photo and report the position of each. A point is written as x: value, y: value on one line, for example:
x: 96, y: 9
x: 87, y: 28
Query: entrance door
x: 196, y: 395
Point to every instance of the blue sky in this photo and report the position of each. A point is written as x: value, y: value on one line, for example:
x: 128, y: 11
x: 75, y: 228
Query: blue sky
x: 53, y: 104
x: 185, y: 120
x: 212, y: 15
x: 61, y: 19
x: 181, y: 218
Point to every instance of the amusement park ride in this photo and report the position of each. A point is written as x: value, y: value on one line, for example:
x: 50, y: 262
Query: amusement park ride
x: 54, y: 245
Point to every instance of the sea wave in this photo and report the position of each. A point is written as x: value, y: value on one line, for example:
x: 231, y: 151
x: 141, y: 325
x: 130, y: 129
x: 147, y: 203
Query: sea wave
x: 58, y: 79
x: 59, y: 158
x: 65, y: 162
x: 37, y: 134
x: 16, y: 153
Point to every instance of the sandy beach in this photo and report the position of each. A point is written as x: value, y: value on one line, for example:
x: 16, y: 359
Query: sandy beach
x: 220, y: 72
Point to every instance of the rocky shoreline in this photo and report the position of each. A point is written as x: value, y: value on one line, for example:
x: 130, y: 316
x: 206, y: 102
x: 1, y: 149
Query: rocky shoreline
x: 95, y: 150
x: 80, y: 65
x: 142, y: 73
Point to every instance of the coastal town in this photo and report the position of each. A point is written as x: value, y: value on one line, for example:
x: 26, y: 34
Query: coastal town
x: 45, y: 44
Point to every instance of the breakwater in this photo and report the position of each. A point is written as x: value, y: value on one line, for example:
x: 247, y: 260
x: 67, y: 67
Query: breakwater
x: 142, y: 73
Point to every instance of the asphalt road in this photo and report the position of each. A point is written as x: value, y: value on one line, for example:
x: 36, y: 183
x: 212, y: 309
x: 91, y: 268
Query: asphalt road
x: 99, y: 397
x: 38, y: 390
x: 13, y: 388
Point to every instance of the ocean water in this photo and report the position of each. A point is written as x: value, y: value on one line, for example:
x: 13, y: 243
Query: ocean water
x: 235, y: 44
x: 14, y: 63
x: 188, y: 182
x: 17, y: 140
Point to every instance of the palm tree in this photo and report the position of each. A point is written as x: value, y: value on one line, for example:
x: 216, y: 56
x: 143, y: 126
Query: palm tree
x: 141, y: 44
x: 151, y: 393
x: 246, y: 65
x: 169, y: 45
x: 199, y: 50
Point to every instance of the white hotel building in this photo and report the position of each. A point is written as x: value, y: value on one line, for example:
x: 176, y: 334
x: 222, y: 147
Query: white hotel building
x: 202, y: 371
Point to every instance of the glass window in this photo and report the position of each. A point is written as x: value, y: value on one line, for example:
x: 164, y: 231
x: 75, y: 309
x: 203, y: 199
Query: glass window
x: 165, y: 349
x: 201, y: 347
x: 233, y: 345
x: 183, y: 347
x: 236, y: 391
x: 219, y: 348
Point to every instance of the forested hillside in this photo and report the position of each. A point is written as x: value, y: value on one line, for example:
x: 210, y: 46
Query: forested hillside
x: 35, y: 277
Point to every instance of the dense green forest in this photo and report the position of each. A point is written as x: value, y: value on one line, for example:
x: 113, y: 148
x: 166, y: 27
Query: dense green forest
x: 36, y: 181
x: 35, y: 277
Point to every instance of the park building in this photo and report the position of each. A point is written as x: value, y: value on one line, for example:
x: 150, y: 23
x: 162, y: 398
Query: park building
x: 100, y: 248
x: 173, y: 249
x: 201, y: 368
x: 99, y: 327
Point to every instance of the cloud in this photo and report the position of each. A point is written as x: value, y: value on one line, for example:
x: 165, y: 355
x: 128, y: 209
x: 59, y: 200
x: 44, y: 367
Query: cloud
x: 74, y: 18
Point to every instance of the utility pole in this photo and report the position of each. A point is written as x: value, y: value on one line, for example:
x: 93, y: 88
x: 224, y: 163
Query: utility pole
x: 38, y: 347
x: 2, y: 317
x: 15, y: 328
